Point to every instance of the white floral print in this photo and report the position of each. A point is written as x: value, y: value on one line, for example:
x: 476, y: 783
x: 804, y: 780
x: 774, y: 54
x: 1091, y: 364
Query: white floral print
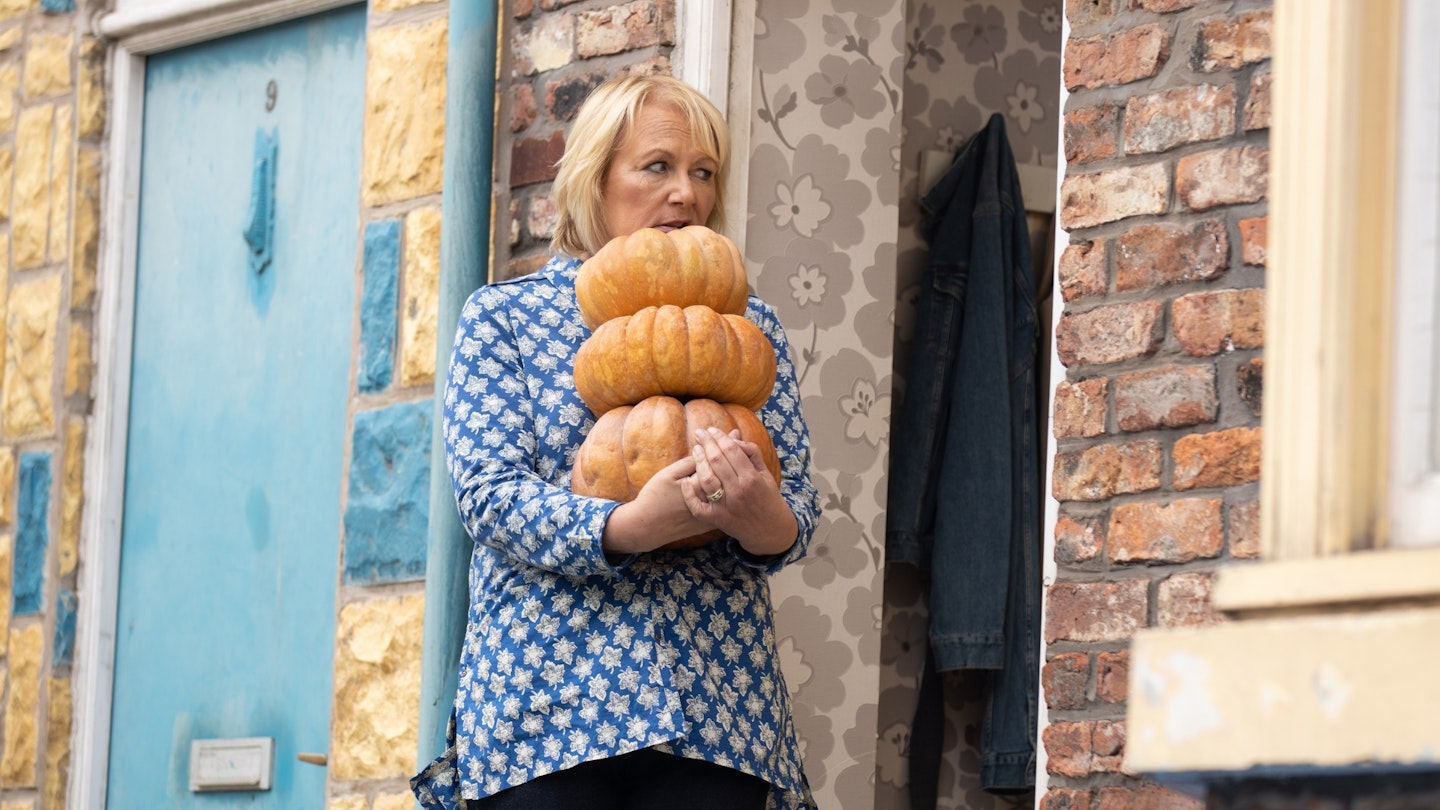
x: 569, y: 655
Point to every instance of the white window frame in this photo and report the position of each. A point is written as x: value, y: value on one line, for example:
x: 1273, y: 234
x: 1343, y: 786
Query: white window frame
x: 1415, y: 473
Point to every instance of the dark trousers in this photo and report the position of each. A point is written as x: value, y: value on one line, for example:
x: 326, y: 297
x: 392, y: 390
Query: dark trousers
x: 642, y: 780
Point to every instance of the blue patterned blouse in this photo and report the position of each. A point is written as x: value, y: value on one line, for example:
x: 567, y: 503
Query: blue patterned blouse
x: 570, y: 656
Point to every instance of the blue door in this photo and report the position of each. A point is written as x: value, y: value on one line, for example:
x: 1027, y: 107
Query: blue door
x: 240, y: 379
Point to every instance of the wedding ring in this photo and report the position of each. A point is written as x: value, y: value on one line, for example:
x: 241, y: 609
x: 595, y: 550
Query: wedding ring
x: 716, y: 495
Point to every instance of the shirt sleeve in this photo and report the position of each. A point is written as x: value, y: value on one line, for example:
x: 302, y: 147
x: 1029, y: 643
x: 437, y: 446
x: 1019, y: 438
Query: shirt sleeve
x: 783, y: 419
x: 493, y: 452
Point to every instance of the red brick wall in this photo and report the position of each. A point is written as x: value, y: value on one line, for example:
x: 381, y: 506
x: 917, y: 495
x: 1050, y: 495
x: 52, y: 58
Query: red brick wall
x: 556, y: 51
x: 1157, y: 420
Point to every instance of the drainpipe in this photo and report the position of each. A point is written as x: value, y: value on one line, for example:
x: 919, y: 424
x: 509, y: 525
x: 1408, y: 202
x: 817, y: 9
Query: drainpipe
x: 464, y: 262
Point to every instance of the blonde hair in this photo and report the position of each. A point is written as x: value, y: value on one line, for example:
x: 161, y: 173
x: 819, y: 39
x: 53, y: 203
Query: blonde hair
x: 600, y: 129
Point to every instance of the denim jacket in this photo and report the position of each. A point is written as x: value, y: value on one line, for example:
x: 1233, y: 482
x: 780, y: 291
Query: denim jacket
x: 964, y: 501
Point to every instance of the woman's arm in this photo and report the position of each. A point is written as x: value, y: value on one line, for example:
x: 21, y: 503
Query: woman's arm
x: 764, y: 522
x: 501, y: 462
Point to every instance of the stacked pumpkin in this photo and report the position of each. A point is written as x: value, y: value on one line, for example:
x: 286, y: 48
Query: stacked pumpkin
x: 671, y: 353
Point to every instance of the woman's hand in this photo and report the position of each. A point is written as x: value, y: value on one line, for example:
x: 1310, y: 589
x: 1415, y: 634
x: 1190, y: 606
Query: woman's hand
x: 731, y: 490
x: 658, y: 515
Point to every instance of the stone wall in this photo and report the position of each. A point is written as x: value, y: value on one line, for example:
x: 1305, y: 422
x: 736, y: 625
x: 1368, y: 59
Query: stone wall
x: 1157, y: 420
x: 52, y: 120
x: 374, y: 719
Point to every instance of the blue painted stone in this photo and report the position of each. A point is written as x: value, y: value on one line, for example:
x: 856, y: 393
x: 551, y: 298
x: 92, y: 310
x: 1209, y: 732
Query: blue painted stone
x: 57, y: 6
x: 31, y: 533
x: 64, y: 647
x: 378, y: 304
x: 387, y: 510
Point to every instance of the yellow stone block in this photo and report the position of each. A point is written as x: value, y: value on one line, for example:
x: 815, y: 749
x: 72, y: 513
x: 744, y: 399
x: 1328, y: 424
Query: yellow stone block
x: 90, y: 89
x: 404, y: 112
x: 57, y: 743
x: 7, y: 556
x: 377, y: 687
x: 72, y: 495
x: 396, y: 5
x: 9, y: 87
x: 79, y: 369
x: 60, y: 183
x: 395, y: 801
x: 30, y: 219
x: 18, y: 804
x: 22, y: 705
x: 10, y: 37
x: 85, y: 250
x: 420, y: 306
x: 8, y: 483
x: 7, y: 179
x: 31, y: 325
x: 14, y: 8
x: 47, y: 64
x: 347, y: 803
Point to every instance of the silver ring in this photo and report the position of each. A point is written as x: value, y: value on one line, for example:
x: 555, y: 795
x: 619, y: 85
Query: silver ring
x: 716, y: 495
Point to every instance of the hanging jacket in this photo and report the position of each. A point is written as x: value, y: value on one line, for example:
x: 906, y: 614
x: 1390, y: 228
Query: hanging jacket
x: 964, y: 502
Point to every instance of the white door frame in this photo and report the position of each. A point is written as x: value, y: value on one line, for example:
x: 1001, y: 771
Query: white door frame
x: 133, y: 34
x: 714, y: 51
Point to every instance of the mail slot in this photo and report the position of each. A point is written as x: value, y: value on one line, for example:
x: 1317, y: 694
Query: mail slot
x: 237, y: 763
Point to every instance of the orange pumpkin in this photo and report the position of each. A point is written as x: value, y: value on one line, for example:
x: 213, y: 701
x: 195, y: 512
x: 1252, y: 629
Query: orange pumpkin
x: 650, y: 267
x: 685, y: 353
x: 631, y: 443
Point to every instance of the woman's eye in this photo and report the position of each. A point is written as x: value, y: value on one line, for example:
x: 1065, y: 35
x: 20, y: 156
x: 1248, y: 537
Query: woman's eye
x: 657, y: 166
x: 704, y: 174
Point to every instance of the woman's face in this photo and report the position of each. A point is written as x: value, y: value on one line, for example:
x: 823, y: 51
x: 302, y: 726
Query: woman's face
x: 659, y: 178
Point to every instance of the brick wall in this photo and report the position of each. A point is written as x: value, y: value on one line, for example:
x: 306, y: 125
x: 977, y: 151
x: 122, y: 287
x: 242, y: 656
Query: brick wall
x: 1157, y: 419
x: 557, y: 52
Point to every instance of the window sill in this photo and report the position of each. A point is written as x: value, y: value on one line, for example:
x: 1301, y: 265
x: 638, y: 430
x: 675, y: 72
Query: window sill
x: 1325, y: 669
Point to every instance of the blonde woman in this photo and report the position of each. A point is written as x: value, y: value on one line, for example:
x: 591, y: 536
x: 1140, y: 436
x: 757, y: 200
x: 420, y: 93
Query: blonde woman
x: 601, y: 671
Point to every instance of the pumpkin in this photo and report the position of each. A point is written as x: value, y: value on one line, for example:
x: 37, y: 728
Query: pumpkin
x: 650, y: 267
x: 685, y: 353
x: 631, y: 443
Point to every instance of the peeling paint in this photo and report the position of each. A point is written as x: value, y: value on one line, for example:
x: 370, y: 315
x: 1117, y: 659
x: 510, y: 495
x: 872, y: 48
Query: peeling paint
x: 1191, y: 710
x: 1332, y: 690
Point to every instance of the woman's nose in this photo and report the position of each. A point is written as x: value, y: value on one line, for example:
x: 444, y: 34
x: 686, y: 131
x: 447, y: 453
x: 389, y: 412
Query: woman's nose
x: 683, y: 191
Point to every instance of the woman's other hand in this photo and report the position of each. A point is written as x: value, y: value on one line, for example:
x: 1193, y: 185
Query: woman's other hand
x: 658, y: 515
x: 731, y: 490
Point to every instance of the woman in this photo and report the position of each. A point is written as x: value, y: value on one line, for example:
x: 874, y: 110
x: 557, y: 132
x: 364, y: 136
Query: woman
x: 599, y: 670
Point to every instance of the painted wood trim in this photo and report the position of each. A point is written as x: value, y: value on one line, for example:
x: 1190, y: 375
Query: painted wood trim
x: 702, y: 47
x: 1367, y: 578
x: 1291, y: 696
x: 741, y: 79
x: 1325, y: 465
x: 105, y: 445
x: 1415, y: 476
x: 151, y: 28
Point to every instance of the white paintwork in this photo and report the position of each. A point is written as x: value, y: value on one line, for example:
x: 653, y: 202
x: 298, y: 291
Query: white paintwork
x: 1313, y: 691
x: 145, y: 27
x: 105, y: 446
x: 702, y: 47
x: 1415, y: 473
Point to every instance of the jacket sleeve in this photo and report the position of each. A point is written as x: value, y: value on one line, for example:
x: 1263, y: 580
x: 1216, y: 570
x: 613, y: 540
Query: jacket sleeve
x: 492, y: 451
x: 783, y: 419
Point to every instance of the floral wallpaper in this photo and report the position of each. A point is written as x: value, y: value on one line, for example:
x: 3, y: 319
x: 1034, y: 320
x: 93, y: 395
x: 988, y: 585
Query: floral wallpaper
x: 824, y: 175
x: 846, y: 95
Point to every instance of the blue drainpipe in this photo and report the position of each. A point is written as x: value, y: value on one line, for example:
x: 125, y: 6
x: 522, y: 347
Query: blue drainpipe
x: 464, y: 262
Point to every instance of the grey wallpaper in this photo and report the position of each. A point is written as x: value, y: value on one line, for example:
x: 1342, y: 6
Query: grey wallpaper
x: 846, y: 95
